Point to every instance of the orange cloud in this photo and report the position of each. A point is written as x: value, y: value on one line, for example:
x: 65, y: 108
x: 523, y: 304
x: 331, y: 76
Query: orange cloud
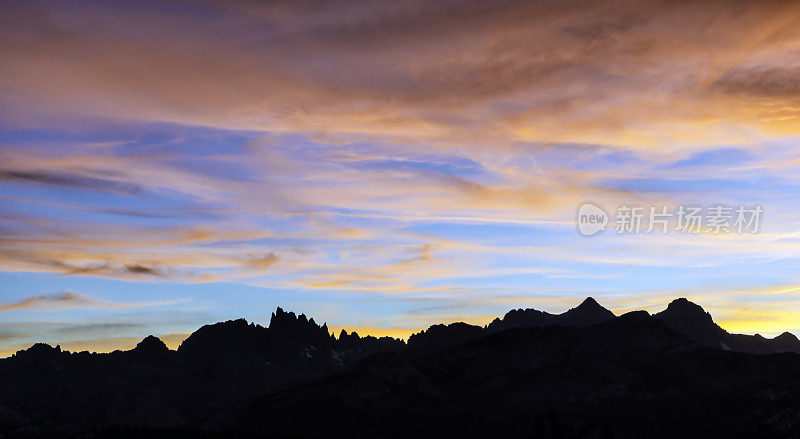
x: 577, y: 71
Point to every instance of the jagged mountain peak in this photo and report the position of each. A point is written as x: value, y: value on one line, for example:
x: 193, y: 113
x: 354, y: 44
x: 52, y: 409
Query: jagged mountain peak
x: 43, y: 348
x: 151, y: 344
x: 692, y: 320
x: 281, y: 318
x: 40, y: 350
x: 281, y: 315
x: 683, y: 303
x: 441, y: 336
x: 522, y: 318
x: 685, y: 309
x: 288, y: 325
x: 223, y: 338
x: 343, y: 335
x: 786, y: 342
x: 588, y: 313
x: 589, y: 302
x: 589, y: 305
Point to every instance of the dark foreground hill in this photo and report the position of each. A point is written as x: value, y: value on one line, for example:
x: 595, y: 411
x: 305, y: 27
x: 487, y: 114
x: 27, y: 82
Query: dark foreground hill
x: 584, y: 373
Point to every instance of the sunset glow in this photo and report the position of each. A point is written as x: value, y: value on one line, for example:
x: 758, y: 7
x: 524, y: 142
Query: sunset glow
x: 389, y: 165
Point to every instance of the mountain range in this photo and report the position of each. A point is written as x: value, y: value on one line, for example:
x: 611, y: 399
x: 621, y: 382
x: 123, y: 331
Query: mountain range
x: 582, y: 373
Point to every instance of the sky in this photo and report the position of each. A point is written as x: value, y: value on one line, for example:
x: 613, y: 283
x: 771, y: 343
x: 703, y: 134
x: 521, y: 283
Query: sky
x: 386, y: 165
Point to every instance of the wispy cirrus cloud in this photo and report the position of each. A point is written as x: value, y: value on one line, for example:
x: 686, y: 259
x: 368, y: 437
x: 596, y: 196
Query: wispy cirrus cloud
x: 67, y: 299
x: 52, y: 301
x: 70, y: 181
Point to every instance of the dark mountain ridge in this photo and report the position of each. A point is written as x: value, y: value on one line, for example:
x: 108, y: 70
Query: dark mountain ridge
x: 693, y: 321
x: 238, y: 377
x: 629, y: 377
x: 588, y: 313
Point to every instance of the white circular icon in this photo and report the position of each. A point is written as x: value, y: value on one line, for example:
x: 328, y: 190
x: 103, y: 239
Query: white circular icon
x: 591, y: 219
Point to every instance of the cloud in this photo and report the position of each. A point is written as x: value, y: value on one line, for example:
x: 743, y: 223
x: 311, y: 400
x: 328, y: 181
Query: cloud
x: 141, y: 269
x: 103, y: 327
x: 6, y: 335
x: 70, y: 181
x: 396, y: 148
x: 262, y: 262
x: 51, y: 301
x: 443, y: 73
x: 760, y: 82
x: 68, y: 299
x: 716, y: 157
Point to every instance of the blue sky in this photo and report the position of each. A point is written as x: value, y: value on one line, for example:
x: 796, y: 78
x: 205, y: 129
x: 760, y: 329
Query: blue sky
x: 164, y: 167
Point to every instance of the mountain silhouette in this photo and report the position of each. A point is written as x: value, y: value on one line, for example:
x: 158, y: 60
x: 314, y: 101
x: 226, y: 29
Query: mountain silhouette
x: 439, y: 337
x: 786, y: 342
x: 151, y: 348
x: 629, y: 377
x: 693, y: 321
x: 588, y: 313
x: 582, y: 373
x: 151, y: 345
